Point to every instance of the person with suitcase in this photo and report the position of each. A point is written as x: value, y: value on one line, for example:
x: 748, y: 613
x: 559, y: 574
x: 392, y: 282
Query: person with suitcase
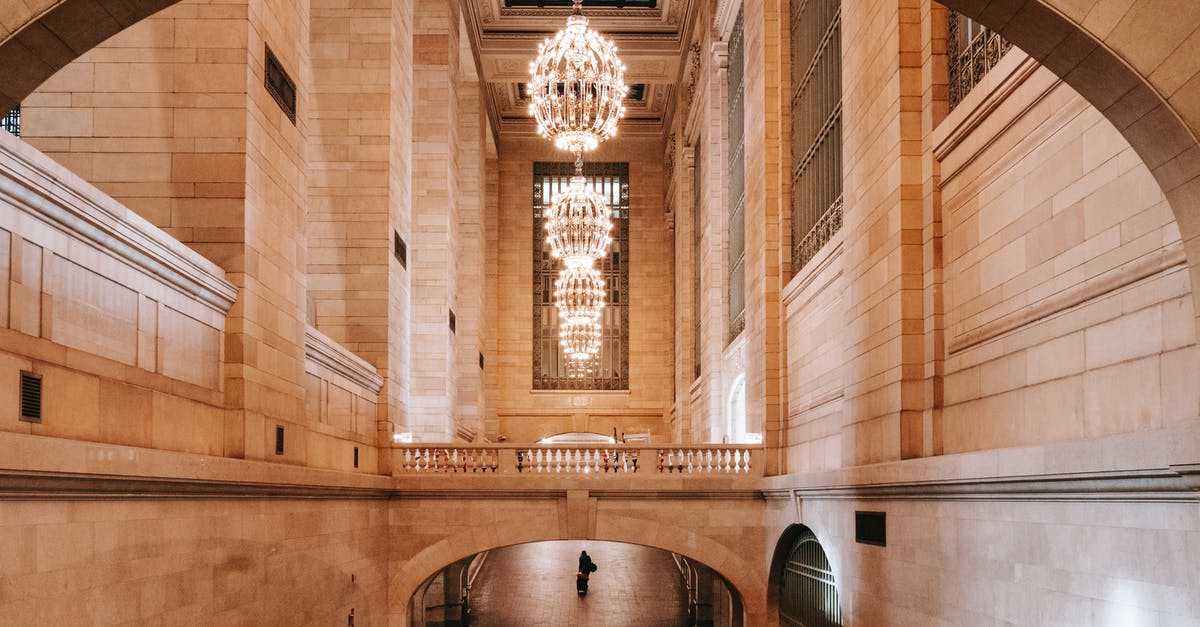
x: 586, y: 568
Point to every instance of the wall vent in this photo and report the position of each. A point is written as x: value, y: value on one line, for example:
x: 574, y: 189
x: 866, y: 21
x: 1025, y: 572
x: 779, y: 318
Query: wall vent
x: 356, y: 457
x: 278, y: 439
x: 31, y: 396
x: 400, y: 249
x: 870, y: 528
x: 279, y: 85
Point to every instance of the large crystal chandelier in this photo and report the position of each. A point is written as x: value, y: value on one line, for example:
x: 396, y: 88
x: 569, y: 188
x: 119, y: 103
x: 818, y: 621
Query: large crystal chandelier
x: 580, y: 340
x: 576, y: 94
x: 578, y: 223
x: 579, y: 293
x: 577, y: 87
x: 579, y: 296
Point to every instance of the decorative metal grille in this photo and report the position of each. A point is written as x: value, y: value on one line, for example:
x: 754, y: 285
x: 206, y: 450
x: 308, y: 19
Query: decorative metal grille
x: 816, y: 39
x: 697, y: 256
x: 971, y: 50
x: 808, y: 594
x: 610, y: 180
x: 736, y: 235
x: 279, y: 84
x: 11, y: 121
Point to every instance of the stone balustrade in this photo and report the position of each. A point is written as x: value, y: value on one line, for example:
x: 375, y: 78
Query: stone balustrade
x: 563, y: 459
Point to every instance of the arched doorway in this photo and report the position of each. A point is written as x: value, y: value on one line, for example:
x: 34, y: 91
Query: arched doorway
x: 533, y: 583
x: 807, y: 590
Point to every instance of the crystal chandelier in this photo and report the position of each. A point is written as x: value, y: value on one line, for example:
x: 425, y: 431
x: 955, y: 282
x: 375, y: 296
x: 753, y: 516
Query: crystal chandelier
x: 578, y: 223
x: 579, y: 296
x: 577, y: 87
x: 580, y: 339
x: 579, y: 293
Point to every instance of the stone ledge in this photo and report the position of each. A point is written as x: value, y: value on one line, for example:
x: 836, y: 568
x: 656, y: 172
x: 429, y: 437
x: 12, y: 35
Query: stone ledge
x: 42, y: 188
x: 1134, y: 467
x: 321, y: 349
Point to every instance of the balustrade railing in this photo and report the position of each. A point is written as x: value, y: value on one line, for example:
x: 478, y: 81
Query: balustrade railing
x: 606, y: 460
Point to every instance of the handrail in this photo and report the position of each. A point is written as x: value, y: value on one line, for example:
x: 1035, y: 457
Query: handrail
x: 579, y: 459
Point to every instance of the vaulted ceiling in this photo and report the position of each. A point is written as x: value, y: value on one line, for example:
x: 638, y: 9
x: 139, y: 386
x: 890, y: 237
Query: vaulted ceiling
x: 651, y: 36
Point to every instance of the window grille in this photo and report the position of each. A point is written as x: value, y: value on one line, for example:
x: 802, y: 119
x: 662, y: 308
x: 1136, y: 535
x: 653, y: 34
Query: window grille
x: 808, y: 594
x: 697, y: 257
x: 972, y: 49
x: 736, y: 234
x: 11, y: 121
x: 816, y: 36
x: 279, y: 84
x: 610, y: 180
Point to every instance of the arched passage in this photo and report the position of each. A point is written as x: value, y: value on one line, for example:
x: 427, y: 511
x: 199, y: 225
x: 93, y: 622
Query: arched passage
x: 802, y: 584
x: 478, y: 533
x: 536, y: 584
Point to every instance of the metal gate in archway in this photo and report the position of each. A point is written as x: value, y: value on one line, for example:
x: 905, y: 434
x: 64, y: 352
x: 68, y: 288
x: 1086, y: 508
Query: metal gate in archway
x: 808, y: 594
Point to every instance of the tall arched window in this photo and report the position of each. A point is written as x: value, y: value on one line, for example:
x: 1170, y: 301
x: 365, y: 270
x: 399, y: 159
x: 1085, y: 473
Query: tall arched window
x: 807, y: 592
x: 735, y: 425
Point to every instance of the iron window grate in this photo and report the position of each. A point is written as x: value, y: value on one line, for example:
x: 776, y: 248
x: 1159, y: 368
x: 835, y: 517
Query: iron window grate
x: 280, y: 85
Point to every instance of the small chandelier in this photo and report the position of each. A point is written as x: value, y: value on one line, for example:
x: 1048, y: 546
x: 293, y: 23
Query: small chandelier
x: 577, y: 87
x: 579, y: 293
x: 578, y: 223
x: 579, y: 338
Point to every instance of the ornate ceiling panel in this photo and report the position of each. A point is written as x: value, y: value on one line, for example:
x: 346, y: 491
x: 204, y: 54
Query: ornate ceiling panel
x: 651, y: 38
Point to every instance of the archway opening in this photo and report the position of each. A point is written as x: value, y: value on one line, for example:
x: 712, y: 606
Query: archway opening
x: 536, y: 583
x: 802, y: 583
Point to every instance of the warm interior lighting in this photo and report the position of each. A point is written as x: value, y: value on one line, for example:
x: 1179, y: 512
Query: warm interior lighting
x: 577, y: 87
x: 578, y: 224
x: 579, y: 293
x: 580, y: 339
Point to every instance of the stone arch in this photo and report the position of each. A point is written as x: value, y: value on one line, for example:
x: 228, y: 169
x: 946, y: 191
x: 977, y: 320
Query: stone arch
x: 779, y: 557
x: 55, y: 33
x: 1138, y: 66
x: 406, y: 575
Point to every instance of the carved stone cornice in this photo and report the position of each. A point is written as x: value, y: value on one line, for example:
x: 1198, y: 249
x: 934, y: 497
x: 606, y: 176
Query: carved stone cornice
x: 45, y: 191
x: 725, y: 16
x: 1169, y: 485
x: 321, y: 349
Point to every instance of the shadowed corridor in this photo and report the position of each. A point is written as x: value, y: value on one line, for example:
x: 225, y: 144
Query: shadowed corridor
x: 534, y: 585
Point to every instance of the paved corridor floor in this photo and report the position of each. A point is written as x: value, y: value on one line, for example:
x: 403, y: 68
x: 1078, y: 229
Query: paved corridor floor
x: 533, y: 585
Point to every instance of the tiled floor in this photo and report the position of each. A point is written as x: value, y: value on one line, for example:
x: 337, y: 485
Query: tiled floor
x: 533, y: 585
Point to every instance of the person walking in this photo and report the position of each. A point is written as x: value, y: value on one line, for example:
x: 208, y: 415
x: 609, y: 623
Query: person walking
x: 586, y: 568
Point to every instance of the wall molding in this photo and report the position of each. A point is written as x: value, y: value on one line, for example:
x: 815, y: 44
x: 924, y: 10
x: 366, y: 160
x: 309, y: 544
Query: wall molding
x: 1175, y: 484
x: 813, y: 270
x: 36, y: 185
x: 32, y: 485
x: 1000, y: 83
x: 819, y: 401
x: 724, y: 17
x: 1163, y: 260
x: 321, y: 349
